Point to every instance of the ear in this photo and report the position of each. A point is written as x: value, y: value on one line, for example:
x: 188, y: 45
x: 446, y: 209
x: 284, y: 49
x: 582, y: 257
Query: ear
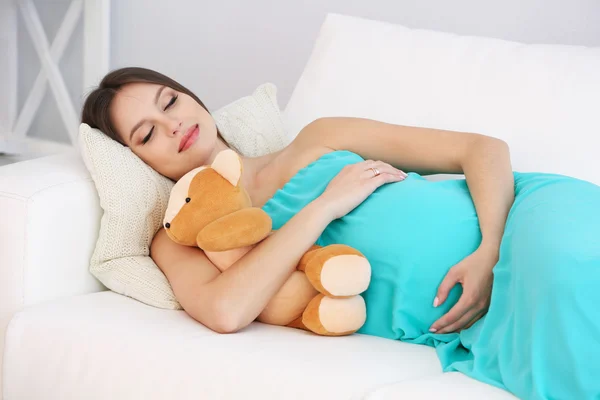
x: 229, y: 165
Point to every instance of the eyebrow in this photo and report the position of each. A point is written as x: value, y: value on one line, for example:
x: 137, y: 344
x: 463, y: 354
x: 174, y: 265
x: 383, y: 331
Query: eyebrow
x: 137, y: 126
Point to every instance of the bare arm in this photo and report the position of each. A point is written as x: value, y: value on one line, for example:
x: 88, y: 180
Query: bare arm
x: 227, y: 302
x: 484, y: 160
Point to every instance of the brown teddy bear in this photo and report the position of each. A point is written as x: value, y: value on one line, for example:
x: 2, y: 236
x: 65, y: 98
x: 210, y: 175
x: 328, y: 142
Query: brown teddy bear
x: 209, y: 208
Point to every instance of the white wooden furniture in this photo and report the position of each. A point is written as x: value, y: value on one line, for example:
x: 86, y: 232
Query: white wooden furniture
x: 15, y: 144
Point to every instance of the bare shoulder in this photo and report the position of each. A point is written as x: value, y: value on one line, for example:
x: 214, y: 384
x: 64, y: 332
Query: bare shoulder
x: 309, y: 145
x: 327, y: 134
x: 315, y: 134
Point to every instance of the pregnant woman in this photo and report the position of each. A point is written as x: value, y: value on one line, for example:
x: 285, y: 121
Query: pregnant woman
x: 500, y: 271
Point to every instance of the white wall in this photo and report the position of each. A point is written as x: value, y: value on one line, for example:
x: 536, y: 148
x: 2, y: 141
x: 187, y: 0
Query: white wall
x: 223, y: 49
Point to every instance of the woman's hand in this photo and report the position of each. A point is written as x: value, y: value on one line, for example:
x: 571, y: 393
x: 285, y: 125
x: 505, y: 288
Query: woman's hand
x: 475, y: 275
x: 354, y: 183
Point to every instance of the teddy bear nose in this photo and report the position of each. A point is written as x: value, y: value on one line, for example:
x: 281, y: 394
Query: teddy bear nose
x: 167, y: 225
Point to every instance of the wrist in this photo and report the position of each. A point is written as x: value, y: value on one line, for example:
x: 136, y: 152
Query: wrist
x: 492, y: 248
x: 322, y: 210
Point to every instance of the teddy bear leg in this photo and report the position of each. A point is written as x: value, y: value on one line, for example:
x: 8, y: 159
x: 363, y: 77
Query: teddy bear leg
x: 290, y: 301
x: 334, y: 316
x: 336, y: 270
x: 297, y: 323
x: 313, y: 251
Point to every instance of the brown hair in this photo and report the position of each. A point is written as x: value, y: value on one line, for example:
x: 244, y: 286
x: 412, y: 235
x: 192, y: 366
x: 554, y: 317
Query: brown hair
x: 96, y: 109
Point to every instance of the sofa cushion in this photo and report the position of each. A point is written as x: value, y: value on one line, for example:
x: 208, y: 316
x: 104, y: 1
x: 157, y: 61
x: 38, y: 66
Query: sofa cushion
x: 453, y: 385
x: 541, y: 99
x: 107, y: 346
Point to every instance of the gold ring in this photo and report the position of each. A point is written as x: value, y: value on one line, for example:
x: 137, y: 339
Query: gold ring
x: 375, y: 172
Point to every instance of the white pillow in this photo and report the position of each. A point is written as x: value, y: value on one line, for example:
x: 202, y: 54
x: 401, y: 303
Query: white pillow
x: 134, y: 197
x: 541, y: 99
x: 252, y: 125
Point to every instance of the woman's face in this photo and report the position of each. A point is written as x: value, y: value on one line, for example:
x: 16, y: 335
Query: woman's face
x: 167, y: 129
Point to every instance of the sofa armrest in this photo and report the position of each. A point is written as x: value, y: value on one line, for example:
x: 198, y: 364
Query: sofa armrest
x: 49, y: 222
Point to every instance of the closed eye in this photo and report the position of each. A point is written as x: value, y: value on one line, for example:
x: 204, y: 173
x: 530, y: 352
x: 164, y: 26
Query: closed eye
x: 145, y: 140
x: 171, y: 102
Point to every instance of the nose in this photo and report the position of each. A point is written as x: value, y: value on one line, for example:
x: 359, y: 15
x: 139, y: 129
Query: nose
x: 174, y: 127
x: 170, y: 125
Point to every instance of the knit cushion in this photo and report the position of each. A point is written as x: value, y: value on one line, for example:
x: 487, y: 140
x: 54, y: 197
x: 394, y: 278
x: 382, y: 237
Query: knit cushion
x: 134, y: 197
x: 253, y: 125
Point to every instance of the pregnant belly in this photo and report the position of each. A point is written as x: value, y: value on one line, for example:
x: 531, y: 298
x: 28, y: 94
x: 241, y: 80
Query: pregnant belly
x: 412, y: 233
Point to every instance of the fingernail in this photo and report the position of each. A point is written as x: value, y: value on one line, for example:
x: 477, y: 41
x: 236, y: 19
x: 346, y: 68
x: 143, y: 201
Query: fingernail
x: 433, y: 330
x: 436, y: 301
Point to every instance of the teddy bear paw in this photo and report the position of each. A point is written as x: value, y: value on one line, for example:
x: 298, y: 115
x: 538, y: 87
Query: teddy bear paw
x: 335, y: 316
x: 338, y: 271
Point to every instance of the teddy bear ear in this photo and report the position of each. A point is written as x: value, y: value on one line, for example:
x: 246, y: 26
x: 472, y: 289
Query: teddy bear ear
x: 228, y: 164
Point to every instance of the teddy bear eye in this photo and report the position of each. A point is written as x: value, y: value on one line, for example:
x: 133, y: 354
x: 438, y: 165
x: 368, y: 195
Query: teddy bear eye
x: 167, y: 225
x: 187, y: 200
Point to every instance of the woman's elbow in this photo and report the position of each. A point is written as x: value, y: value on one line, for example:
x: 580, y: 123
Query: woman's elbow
x: 224, y: 320
x: 495, y: 143
x: 224, y: 328
x: 225, y: 325
x: 487, y: 145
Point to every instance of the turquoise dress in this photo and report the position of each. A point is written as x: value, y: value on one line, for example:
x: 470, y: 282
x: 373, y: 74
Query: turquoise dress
x: 541, y: 336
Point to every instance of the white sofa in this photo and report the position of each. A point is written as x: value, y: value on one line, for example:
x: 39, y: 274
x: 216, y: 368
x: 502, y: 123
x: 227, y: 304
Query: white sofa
x: 66, y: 337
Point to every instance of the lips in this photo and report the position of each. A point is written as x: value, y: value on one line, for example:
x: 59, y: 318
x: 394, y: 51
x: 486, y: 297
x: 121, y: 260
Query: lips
x: 189, y: 138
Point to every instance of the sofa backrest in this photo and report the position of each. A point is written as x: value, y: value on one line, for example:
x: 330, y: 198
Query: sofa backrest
x: 543, y: 100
